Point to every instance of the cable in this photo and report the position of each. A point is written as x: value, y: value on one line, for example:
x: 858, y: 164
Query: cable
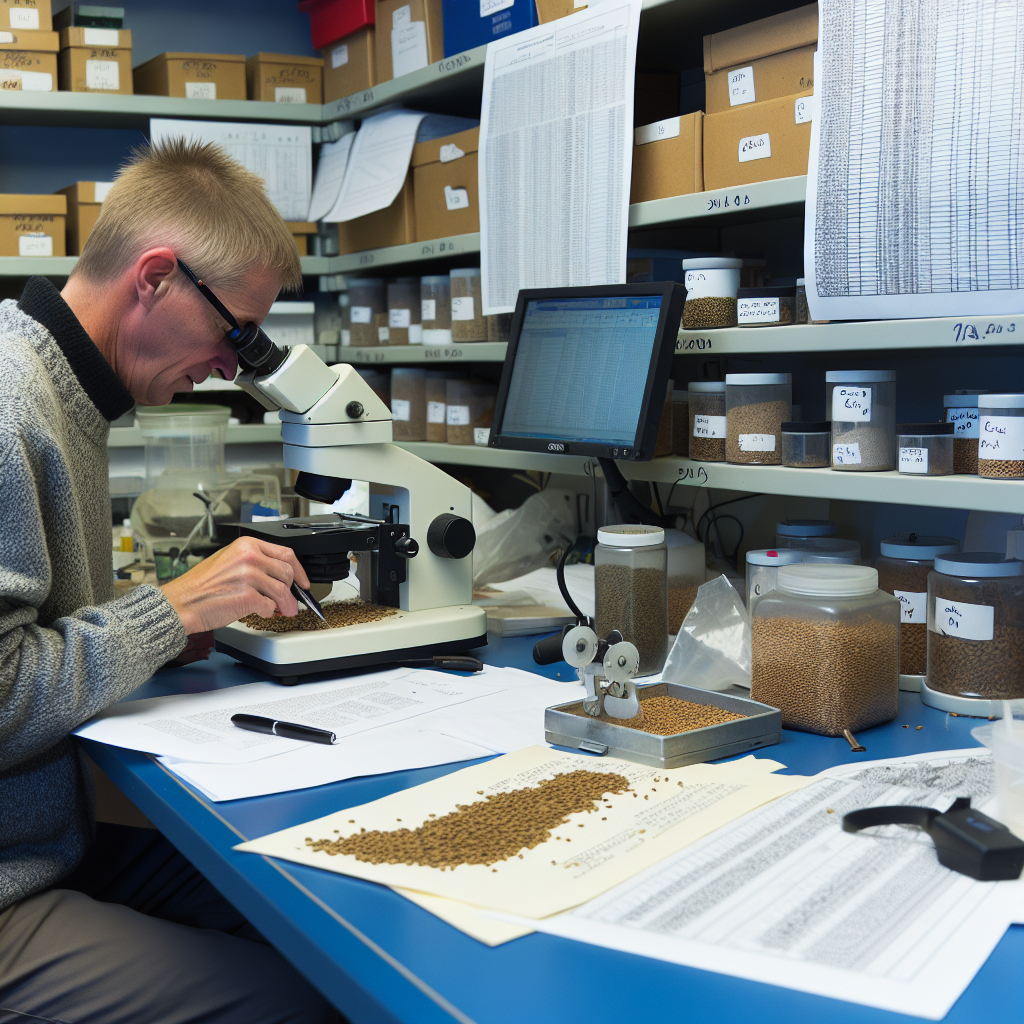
x: 581, y: 619
x: 736, y: 549
x: 657, y: 499
x: 720, y: 504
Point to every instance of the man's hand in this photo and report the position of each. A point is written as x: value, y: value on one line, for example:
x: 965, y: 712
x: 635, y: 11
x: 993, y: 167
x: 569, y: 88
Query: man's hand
x: 247, y: 576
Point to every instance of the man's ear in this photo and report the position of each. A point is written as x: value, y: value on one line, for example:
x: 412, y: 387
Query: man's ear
x: 151, y: 272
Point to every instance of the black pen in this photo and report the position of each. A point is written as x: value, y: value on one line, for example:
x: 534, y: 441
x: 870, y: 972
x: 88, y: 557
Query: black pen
x: 287, y: 730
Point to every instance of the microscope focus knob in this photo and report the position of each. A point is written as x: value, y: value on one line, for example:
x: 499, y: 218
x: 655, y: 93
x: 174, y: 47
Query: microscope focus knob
x: 451, y: 536
x: 406, y: 547
x: 354, y: 410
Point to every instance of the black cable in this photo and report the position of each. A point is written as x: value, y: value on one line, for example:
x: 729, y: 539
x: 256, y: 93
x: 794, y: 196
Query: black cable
x: 657, y: 499
x: 720, y: 504
x: 736, y: 549
x: 564, y: 590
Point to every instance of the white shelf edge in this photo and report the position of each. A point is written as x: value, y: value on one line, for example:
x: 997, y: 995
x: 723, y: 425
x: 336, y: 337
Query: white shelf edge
x: 425, y: 355
x: 759, y: 195
x: 412, y: 252
x: 246, y: 433
x: 61, y: 266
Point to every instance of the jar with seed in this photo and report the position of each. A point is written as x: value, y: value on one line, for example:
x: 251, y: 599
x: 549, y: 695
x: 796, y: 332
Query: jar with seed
x: 436, y: 309
x: 367, y: 303
x: 380, y: 382
x: 467, y: 306
x: 803, y: 533
x: 803, y: 312
x: 681, y: 423
x: 806, y: 445
x: 404, y: 327
x: 711, y: 286
x: 631, y: 590
x: 925, y: 449
x: 409, y: 404
x: 1001, y: 436
x: 975, y: 632
x: 437, y: 407
x: 756, y: 404
x: 763, y: 571
x: 663, y: 441
x: 686, y: 571
x: 962, y: 411
x: 767, y: 306
x: 498, y: 327
x: 862, y: 404
x: 707, y: 420
x: 825, y: 649
x: 469, y: 409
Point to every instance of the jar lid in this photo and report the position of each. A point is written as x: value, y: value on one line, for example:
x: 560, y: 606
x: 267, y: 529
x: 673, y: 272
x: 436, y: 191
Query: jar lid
x: 629, y: 536
x: 834, y: 546
x: 773, y: 556
x: 978, y: 563
x: 965, y: 401
x: 918, y: 547
x: 466, y: 272
x: 806, y: 528
x: 433, y: 280
x: 924, y: 429
x: 767, y: 292
x: 758, y: 378
x: 1002, y: 402
x: 707, y: 387
x: 712, y: 263
x: 857, y: 376
x: 828, y: 580
x: 795, y: 427
x: 812, y: 556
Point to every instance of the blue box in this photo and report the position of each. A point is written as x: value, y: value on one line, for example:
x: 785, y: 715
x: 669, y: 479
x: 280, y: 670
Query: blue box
x: 464, y: 27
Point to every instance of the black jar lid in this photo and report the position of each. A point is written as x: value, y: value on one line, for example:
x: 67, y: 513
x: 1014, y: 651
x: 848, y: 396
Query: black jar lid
x: 925, y: 429
x: 795, y: 427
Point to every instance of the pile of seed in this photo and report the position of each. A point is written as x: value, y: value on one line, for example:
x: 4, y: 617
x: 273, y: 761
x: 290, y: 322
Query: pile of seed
x: 992, y: 668
x: 912, y: 578
x: 709, y: 311
x: 1005, y: 469
x: 680, y: 600
x: 756, y: 418
x: 826, y: 675
x: 666, y: 716
x: 965, y: 455
x: 635, y: 602
x: 877, y: 448
x: 706, y: 449
x: 340, y: 613
x: 494, y: 829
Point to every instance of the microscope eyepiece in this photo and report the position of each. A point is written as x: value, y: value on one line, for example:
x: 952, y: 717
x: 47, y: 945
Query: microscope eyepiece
x: 256, y: 352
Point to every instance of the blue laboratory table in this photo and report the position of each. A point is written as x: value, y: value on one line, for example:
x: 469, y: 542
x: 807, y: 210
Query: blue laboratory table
x: 378, y: 957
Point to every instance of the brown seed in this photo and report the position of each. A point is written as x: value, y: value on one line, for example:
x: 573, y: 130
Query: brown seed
x: 667, y: 716
x: 920, y: 727
x: 709, y: 311
x: 635, y: 602
x: 338, y: 614
x: 756, y: 418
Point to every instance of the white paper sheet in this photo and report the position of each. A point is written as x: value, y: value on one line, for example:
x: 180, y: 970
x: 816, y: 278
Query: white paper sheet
x: 914, y: 204
x: 282, y: 155
x: 556, y: 150
x: 330, y: 172
x: 542, y: 585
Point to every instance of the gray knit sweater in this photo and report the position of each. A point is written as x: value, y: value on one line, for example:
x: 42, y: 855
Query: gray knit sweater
x: 67, y: 648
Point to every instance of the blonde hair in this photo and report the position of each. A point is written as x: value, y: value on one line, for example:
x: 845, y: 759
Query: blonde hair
x: 192, y: 197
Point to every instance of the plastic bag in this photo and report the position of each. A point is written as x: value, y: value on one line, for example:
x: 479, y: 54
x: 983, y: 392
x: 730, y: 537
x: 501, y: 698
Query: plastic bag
x: 712, y: 649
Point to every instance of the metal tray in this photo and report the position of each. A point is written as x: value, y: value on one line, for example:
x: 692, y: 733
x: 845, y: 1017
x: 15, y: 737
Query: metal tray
x: 760, y: 726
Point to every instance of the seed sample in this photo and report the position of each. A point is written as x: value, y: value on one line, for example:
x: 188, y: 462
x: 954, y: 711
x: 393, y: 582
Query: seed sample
x: 988, y: 668
x: 1004, y: 469
x: 680, y: 600
x: 875, y: 447
x: 486, y: 832
x: 706, y: 414
x: 965, y: 455
x: 763, y: 419
x: 635, y: 602
x: 338, y: 614
x: 709, y: 311
x: 666, y: 716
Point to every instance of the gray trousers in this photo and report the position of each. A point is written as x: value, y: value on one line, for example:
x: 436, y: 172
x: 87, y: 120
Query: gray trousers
x: 137, y: 936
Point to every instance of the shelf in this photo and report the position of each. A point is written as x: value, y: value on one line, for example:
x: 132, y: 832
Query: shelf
x: 742, y: 200
x: 248, y: 433
x: 395, y: 255
x: 61, y: 266
x: 478, y: 455
x: 425, y: 355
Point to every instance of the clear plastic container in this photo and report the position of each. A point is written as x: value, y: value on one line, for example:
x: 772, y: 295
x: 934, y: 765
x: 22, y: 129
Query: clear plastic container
x: 806, y: 445
x: 831, y: 551
x: 631, y: 590
x: 925, y: 449
x: 184, y: 440
x: 1005, y: 738
x: 681, y: 423
x: 469, y: 409
x: 367, y: 302
x: 436, y: 309
x: 862, y: 407
x: 763, y: 571
x: 756, y: 405
x: 803, y: 533
x: 825, y: 649
x: 404, y: 327
x: 1001, y: 436
x: 707, y: 420
x: 712, y: 283
x: 467, y: 306
x: 803, y: 312
x: 767, y: 306
x: 686, y: 571
x: 663, y: 441
x: 409, y: 404
x: 961, y: 409
x: 437, y: 408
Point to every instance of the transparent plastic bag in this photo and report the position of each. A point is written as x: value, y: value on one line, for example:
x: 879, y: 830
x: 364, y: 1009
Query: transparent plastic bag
x: 712, y: 649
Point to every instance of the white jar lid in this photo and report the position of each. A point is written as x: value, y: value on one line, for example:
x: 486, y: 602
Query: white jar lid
x: 859, y: 376
x: 962, y: 401
x: 828, y: 580
x: 629, y: 536
x: 759, y: 378
x: 833, y: 546
x: 978, y: 563
x: 806, y: 528
x: 708, y: 387
x: 812, y: 557
x: 918, y: 548
x: 1001, y: 402
x: 774, y: 556
x: 712, y: 263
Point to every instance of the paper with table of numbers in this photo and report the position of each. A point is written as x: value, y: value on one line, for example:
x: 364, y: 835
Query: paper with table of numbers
x: 556, y: 150
x: 915, y: 192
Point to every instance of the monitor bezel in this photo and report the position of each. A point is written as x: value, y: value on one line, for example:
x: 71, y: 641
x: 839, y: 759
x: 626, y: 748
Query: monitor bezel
x: 641, y: 448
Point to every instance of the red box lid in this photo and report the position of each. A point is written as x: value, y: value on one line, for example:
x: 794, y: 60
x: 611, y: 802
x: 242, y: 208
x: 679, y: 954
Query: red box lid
x: 334, y: 19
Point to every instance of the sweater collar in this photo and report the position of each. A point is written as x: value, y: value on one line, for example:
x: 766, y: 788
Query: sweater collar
x: 41, y: 301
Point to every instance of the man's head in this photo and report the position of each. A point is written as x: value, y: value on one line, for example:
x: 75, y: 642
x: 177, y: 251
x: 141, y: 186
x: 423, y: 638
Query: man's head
x: 188, y: 201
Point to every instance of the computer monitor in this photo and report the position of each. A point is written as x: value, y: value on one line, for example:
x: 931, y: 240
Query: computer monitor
x: 586, y: 370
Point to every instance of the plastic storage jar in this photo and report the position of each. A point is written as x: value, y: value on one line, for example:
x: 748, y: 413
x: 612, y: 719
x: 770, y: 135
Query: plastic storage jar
x: 366, y: 302
x: 686, y: 571
x: 975, y: 632
x: 497, y: 326
x: 763, y: 571
x: 467, y: 306
x: 436, y: 309
x: 962, y: 412
x: 903, y: 568
x: 803, y: 533
x: 925, y: 449
x: 681, y: 423
x: 806, y: 445
x: 408, y: 404
x: 765, y: 307
x: 437, y: 406
x: 631, y: 591
x: 825, y: 649
x: 711, y: 286
x: 756, y: 405
x: 803, y: 312
x: 831, y: 551
x: 707, y: 420
x: 862, y: 404
x: 469, y: 411
x: 1001, y: 436
x: 404, y: 326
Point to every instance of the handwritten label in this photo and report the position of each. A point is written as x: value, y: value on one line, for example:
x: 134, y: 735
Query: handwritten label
x: 408, y: 47
x: 481, y: 435
x: 383, y: 334
x: 667, y: 129
x: 1001, y: 437
x: 846, y: 454
x: 851, y: 404
x: 361, y: 314
x: 757, y: 311
x: 24, y: 18
x: 369, y: 355
x: 754, y: 147
x: 462, y: 307
x: 442, y: 352
x: 428, y: 309
x: 450, y: 152
x: 489, y: 7
x: 458, y: 415
x: 7, y: 37
x: 709, y: 426
x: 35, y: 244
x: 339, y: 56
x: 803, y: 109
x: 102, y: 74
x: 400, y: 318
x: 456, y: 199
x: 757, y: 442
x: 913, y: 460
x: 699, y: 474
x: 200, y: 90
x: 693, y: 344
x: 967, y: 621
x: 400, y: 409
x: 965, y: 422
x: 728, y: 202
x: 966, y: 333
x: 289, y: 94
x: 741, y: 87
x: 100, y: 36
x: 435, y: 412
x: 913, y: 605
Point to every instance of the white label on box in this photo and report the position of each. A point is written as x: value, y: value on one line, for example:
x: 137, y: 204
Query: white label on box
x: 415, y: 334
x: 100, y: 36
x: 913, y: 460
x: 6, y: 37
x: 803, y: 109
x: 435, y: 412
x: 1001, y: 437
x: 458, y: 415
x: 757, y: 442
x: 851, y: 404
x: 10, y: 81
x: 401, y: 16
x: 200, y: 90
x: 667, y: 129
x: 399, y: 317
x: 100, y: 190
x: 361, y: 314
x: 482, y: 435
x: 754, y: 147
x: 339, y: 55
x: 450, y: 152
x: 846, y: 454
x: 408, y: 48
x: 967, y: 621
x: 428, y: 309
x: 401, y: 409
x: 462, y: 307
x: 456, y: 198
x: 102, y: 74
x: 913, y: 605
x: 24, y: 17
x: 965, y: 422
x: 709, y: 426
x: 489, y: 7
x: 383, y: 334
x: 741, y: 87
x: 289, y: 94
x: 35, y: 244
x: 346, y: 338
x: 37, y: 81
x: 757, y: 311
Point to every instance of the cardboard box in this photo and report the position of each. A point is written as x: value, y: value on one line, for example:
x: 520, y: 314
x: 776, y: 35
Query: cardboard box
x: 336, y: 19
x: 30, y: 14
x: 552, y: 10
x: 193, y: 76
x: 32, y: 225
x: 350, y: 65
x: 301, y: 231
x: 395, y: 225
x: 28, y: 61
x: 470, y: 24
x: 280, y: 78
x: 409, y: 35
x: 756, y: 142
x: 95, y: 60
x: 85, y: 201
x: 668, y: 158
x: 769, y: 78
x: 445, y: 185
x: 737, y: 46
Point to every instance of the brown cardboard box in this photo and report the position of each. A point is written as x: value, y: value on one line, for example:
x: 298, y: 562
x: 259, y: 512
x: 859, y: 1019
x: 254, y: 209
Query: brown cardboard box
x: 668, y: 158
x: 85, y: 201
x: 769, y: 78
x: 96, y: 60
x: 737, y: 46
x: 445, y: 185
x: 280, y: 78
x: 301, y: 231
x: 395, y: 225
x: 31, y: 14
x: 552, y: 10
x: 29, y: 61
x: 406, y: 39
x: 32, y: 225
x: 751, y: 130
x: 193, y: 76
x: 350, y: 65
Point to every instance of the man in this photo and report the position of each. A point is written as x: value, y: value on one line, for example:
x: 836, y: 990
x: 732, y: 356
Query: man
x: 128, y: 327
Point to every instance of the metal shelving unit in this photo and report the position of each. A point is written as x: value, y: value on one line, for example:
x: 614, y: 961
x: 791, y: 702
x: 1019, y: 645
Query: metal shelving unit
x: 248, y: 433
x: 61, y: 266
x: 774, y: 196
x: 425, y: 355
